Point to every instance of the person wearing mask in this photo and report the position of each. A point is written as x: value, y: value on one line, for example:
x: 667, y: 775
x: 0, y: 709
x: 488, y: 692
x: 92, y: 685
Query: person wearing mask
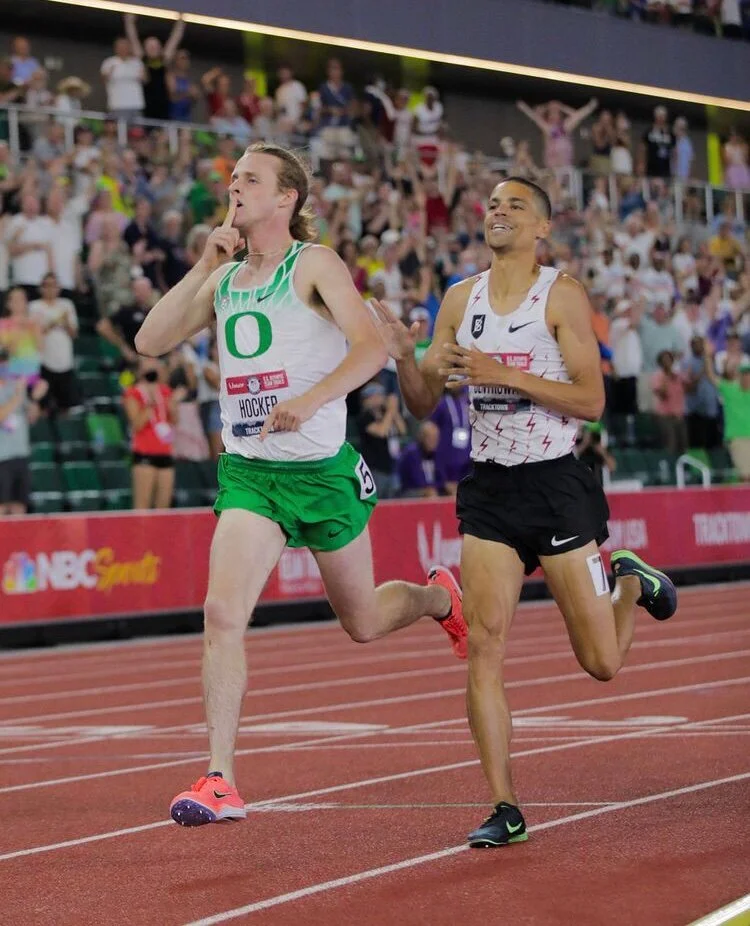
x: 151, y: 409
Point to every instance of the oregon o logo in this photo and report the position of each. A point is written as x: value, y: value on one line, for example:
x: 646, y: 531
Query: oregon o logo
x: 265, y: 336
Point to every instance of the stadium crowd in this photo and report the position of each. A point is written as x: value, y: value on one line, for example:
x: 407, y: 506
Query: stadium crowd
x: 92, y: 232
x: 724, y: 18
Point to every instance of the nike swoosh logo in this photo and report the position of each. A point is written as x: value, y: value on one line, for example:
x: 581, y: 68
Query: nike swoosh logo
x: 558, y: 543
x: 655, y: 583
x: 218, y: 795
x: 333, y: 534
x: 513, y: 829
x: 511, y: 329
x: 263, y: 298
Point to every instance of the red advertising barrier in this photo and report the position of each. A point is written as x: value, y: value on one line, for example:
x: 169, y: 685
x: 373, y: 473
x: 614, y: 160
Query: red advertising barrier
x: 79, y: 567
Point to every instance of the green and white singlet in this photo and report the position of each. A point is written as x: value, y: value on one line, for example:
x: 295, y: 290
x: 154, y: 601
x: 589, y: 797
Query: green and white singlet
x: 273, y: 347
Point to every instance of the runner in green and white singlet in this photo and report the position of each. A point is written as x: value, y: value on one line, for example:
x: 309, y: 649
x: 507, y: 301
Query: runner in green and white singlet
x: 294, y: 338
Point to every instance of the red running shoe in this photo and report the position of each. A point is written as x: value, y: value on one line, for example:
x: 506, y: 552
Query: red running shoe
x: 210, y: 800
x: 454, y: 625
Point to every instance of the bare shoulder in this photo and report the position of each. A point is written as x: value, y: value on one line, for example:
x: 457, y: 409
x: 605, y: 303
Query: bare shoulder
x: 318, y: 256
x: 455, y: 301
x: 568, y: 301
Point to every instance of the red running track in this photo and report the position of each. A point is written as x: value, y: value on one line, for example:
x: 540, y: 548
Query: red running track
x: 364, y: 781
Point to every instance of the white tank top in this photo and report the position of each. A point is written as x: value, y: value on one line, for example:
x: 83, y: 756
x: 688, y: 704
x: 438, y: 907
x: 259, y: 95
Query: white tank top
x: 506, y: 427
x: 273, y: 347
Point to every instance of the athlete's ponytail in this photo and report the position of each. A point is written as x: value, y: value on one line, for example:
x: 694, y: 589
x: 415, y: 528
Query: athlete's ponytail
x: 293, y: 174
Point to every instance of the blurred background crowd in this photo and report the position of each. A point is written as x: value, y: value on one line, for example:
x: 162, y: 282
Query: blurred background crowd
x: 101, y: 213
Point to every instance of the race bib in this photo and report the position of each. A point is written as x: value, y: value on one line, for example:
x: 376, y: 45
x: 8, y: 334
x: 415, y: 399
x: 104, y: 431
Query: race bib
x: 250, y: 399
x: 502, y: 398
x: 366, y: 482
x: 163, y: 431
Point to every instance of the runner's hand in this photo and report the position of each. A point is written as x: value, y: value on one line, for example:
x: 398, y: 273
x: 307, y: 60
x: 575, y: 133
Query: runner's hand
x: 288, y: 416
x: 397, y: 339
x: 223, y: 242
x: 473, y: 367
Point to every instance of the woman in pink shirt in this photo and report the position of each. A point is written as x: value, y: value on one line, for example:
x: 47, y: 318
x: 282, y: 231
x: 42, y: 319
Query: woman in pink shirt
x: 669, y: 388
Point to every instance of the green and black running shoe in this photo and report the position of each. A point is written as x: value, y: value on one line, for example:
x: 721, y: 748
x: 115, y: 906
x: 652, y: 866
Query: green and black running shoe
x: 659, y: 596
x: 506, y: 824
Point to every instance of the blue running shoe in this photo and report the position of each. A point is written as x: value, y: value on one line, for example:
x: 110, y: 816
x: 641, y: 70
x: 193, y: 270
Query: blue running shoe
x: 504, y: 825
x: 659, y: 596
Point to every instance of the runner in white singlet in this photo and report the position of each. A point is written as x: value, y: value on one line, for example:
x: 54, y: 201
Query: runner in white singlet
x: 294, y: 338
x: 520, y: 336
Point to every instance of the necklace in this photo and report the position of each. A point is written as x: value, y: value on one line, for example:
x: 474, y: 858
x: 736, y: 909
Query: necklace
x: 268, y: 253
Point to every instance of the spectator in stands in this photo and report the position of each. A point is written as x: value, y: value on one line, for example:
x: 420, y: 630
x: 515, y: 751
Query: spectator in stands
x: 627, y: 365
x: 726, y: 247
x: 736, y: 167
x: 336, y: 98
x: 124, y: 76
x: 347, y: 251
x: 248, y: 102
x: 30, y: 246
x: 21, y: 337
x: 144, y: 242
x: 657, y: 146
x: 684, y: 155
x: 603, y: 138
x: 591, y: 451
x: 156, y: 59
x: 181, y: 89
x: 453, y: 452
x: 71, y: 92
x: 230, y: 123
x: 379, y: 424
x: 151, y: 408
x: 58, y: 322
x: 19, y: 408
x: 701, y: 397
x: 189, y: 441
x: 109, y: 266
x: 557, y: 123
x: 728, y: 361
x: 290, y: 96
x: 217, y: 87
x: 201, y: 352
x: 121, y: 328
x: 735, y: 399
x: 669, y: 391
x: 171, y: 241
x: 419, y: 472
x: 24, y: 64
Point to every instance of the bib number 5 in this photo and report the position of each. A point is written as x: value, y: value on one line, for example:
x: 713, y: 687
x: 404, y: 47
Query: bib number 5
x: 366, y: 482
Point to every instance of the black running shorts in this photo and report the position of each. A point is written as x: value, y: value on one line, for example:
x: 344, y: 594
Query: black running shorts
x: 539, y: 509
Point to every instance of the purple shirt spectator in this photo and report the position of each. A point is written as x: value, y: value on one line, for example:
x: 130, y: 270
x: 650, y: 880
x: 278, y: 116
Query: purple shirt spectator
x: 419, y: 470
x: 454, y: 446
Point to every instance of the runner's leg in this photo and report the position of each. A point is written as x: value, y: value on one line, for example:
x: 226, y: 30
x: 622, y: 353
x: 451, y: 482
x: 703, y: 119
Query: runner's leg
x: 600, y: 627
x: 492, y: 577
x: 244, y: 551
x: 366, y: 612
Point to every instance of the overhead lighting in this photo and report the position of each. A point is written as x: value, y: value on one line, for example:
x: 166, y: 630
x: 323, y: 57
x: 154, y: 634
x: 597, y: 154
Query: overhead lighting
x: 599, y: 83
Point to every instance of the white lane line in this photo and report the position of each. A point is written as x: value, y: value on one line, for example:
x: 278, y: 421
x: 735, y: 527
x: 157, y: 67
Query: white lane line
x: 578, y: 675
x: 371, y: 873
x: 727, y: 915
x: 332, y: 789
x: 378, y: 702
x: 424, y: 653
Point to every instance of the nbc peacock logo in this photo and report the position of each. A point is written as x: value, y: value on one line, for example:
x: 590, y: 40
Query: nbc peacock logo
x: 19, y: 575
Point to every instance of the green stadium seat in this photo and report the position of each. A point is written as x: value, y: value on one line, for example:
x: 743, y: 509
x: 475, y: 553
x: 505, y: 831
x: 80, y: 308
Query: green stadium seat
x: 106, y: 437
x: 85, y: 364
x: 41, y: 432
x: 209, y: 480
x: 647, y: 430
x: 46, y: 487
x: 722, y: 469
x: 72, y: 438
x: 189, y: 491
x: 116, y: 482
x: 83, y: 489
x: 87, y: 345
x: 42, y: 453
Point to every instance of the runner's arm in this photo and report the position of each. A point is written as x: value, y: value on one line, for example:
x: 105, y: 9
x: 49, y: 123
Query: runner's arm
x: 183, y: 311
x: 422, y: 385
x: 188, y: 307
x: 569, y: 316
x: 366, y: 355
